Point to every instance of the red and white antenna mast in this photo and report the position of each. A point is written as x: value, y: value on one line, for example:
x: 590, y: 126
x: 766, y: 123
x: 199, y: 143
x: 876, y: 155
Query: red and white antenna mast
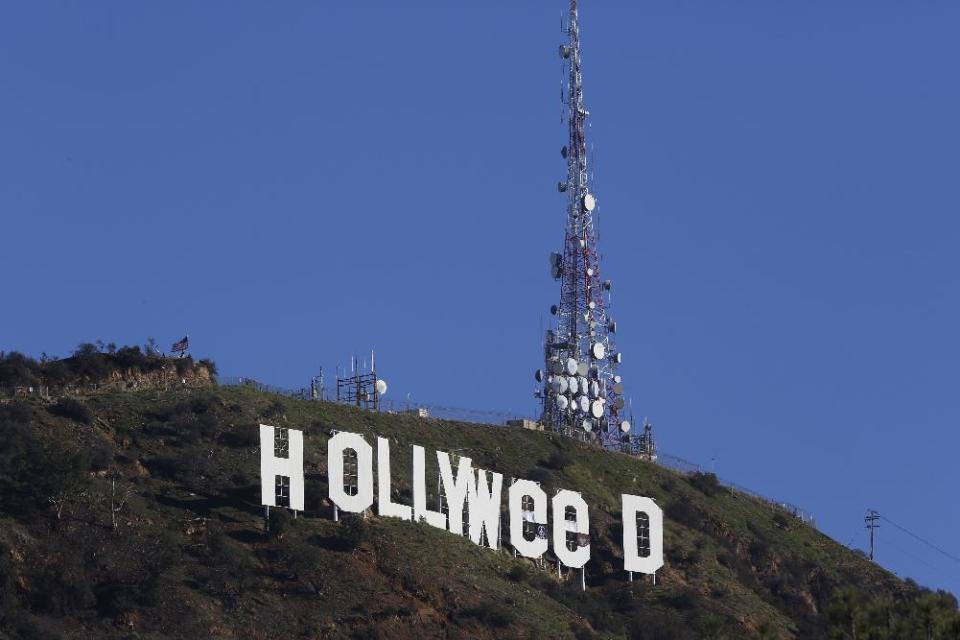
x: 582, y: 393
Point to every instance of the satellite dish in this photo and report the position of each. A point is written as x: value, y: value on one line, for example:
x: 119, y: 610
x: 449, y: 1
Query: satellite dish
x: 555, y: 367
x: 592, y: 304
x: 562, y: 385
x: 618, y: 387
x: 573, y: 386
x: 598, y: 350
x: 625, y: 426
x: 539, y: 375
x: 589, y: 202
x: 607, y: 284
x: 587, y: 425
x: 556, y: 385
x: 582, y: 369
x: 571, y: 366
x: 564, y: 51
x: 584, y: 386
x: 561, y: 186
x: 617, y: 379
x: 594, y: 389
x: 553, y: 309
x: 590, y: 271
x: 618, y: 404
x: 596, y: 409
x: 562, y: 403
x: 612, y: 326
x: 617, y: 357
x: 584, y: 403
x: 381, y: 387
x: 563, y: 151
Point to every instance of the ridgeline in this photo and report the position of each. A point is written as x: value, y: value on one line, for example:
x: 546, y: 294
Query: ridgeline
x: 133, y: 511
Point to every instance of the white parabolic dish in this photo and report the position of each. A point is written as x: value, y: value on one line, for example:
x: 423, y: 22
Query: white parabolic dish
x: 598, y: 350
x: 381, y: 387
x: 589, y: 202
x: 571, y: 366
x: 596, y: 409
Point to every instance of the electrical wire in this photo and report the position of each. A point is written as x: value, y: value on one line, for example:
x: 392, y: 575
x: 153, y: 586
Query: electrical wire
x: 926, y: 542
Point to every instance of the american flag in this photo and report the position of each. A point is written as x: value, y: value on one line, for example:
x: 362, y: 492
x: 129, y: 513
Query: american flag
x: 182, y: 345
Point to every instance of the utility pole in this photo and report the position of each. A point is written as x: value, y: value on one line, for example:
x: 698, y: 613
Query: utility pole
x: 871, y: 523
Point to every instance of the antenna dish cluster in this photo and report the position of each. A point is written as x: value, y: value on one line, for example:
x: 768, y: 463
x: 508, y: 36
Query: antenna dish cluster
x: 582, y: 390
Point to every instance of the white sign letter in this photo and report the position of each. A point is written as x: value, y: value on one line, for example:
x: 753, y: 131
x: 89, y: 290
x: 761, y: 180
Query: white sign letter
x: 561, y: 526
x: 518, y: 490
x: 420, y: 510
x: 335, y: 448
x: 272, y: 466
x: 484, y: 507
x: 386, y: 506
x: 651, y: 516
x: 455, y: 490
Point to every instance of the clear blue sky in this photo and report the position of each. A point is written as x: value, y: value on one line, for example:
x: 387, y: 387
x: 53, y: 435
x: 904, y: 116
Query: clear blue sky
x: 778, y: 186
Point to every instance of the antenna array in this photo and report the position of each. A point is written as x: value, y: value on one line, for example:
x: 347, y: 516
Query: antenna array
x: 582, y: 394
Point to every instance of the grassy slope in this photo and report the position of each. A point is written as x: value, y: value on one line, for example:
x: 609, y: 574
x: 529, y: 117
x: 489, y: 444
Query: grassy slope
x: 733, y: 568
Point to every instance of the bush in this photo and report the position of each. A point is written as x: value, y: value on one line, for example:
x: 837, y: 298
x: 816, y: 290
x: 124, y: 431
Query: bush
x: 183, y: 365
x: 89, y: 363
x: 518, y: 573
x: 17, y: 370
x: 682, y: 511
x: 558, y: 461
x: 707, y: 484
x: 494, y: 615
x: 279, y: 523
x: 98, y: 455
x: 72, y: 410
x: 210, y: 365
x: 353, y: 532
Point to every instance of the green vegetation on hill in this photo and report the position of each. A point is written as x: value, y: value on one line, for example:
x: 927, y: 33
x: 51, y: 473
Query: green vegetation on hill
x: 136, y: 515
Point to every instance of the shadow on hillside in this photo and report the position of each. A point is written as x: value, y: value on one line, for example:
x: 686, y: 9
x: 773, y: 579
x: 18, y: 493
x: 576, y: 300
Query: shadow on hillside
x: 235, y: 498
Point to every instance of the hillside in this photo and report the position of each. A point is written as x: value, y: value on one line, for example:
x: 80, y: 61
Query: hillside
x: 136, y: 514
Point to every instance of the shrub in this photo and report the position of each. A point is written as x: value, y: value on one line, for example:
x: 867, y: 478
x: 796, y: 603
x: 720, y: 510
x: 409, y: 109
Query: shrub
x: 210, y: 365
x: 98, y: 456
x: 17, y: 370
x: 280, y: 523
x: 707, y: 484
x: 72, y: 410
x: 685, y: 513
x: 494, y: 615
x: 558, y: 461
x: 183, y: 365
x: 89, y: 363
x: 518, y: 573
x: 353, y: 532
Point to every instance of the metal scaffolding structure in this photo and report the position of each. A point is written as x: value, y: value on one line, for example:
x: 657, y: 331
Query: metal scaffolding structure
x: 582, y: 395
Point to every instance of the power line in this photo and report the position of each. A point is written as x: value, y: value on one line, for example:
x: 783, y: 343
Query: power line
x: 937, y: 568
x: 924, y: 541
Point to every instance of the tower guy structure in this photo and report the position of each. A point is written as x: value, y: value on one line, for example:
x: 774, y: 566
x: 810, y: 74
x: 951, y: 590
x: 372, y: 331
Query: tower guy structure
x: 582, y: 393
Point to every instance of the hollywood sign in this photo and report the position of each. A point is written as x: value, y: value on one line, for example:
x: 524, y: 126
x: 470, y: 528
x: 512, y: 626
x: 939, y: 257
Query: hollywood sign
x: 477, y: 490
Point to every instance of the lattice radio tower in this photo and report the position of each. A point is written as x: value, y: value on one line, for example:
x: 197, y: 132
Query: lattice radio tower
x: 582, y: 393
